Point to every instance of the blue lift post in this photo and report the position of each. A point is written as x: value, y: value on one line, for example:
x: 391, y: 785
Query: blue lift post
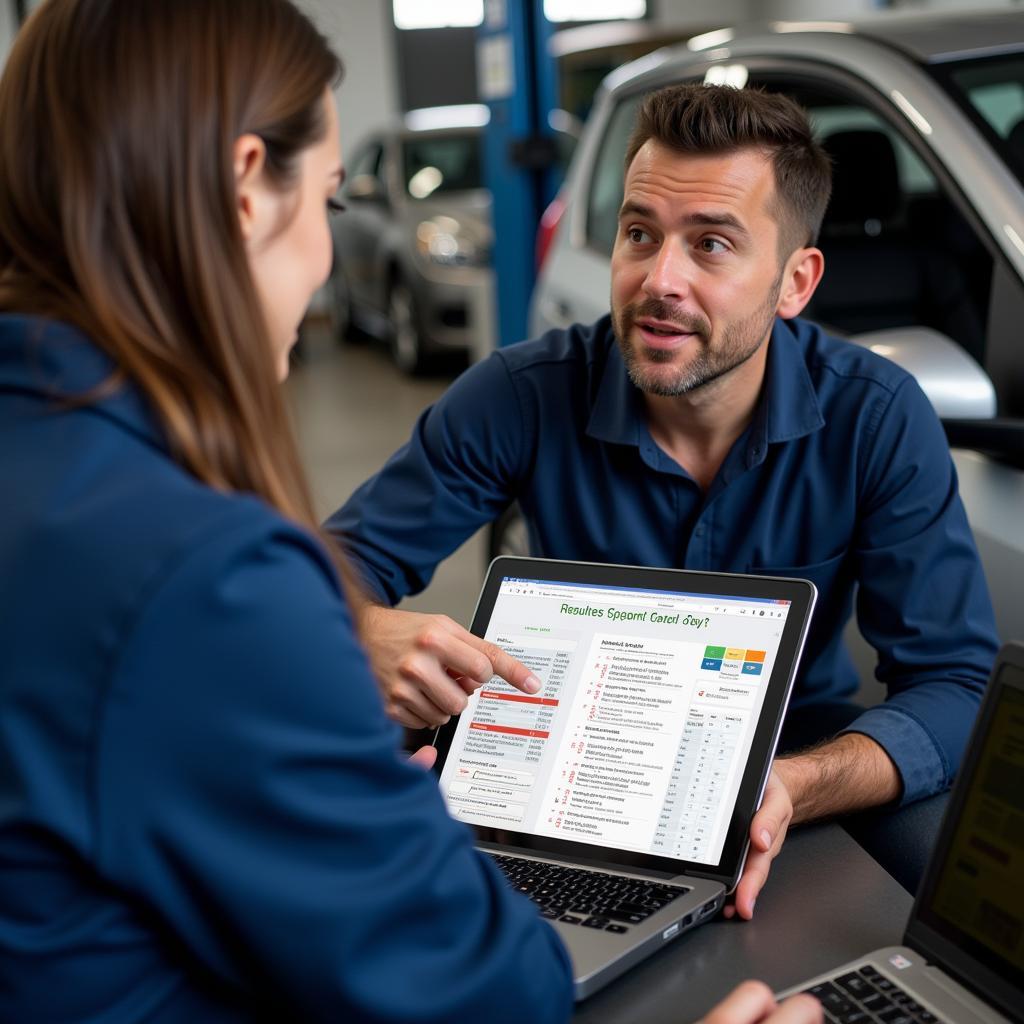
x: 518, y: 79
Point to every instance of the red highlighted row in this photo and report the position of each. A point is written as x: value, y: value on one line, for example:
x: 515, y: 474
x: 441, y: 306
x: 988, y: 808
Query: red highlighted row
x: 519, y: 698
x: 539, y: 733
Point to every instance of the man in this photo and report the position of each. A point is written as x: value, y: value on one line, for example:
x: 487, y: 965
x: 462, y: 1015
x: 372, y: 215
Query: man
x: 702, y: 426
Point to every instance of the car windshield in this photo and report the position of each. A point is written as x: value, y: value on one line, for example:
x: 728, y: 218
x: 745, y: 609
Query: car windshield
x: 441, y: 163
x: 992, y: 92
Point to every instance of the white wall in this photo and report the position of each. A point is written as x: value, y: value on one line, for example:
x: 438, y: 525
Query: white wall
x: 362, y: 35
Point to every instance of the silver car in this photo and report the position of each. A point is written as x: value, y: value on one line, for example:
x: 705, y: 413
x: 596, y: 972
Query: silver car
x: 924, y: 237
x: 412, y: 259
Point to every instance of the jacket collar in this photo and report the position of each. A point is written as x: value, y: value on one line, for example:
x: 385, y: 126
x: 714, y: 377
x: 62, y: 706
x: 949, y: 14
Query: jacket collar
x: 55, y: 361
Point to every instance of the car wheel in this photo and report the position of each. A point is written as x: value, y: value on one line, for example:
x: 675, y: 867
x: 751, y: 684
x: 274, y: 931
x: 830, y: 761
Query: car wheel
x: 406, y: 340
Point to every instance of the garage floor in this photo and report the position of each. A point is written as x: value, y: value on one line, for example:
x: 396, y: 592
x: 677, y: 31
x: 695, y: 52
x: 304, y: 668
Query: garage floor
x: 352, y: 409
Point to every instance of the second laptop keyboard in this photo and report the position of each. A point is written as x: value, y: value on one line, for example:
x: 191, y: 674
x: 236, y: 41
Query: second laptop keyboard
x: 591, y: 899
x: 866, y: 996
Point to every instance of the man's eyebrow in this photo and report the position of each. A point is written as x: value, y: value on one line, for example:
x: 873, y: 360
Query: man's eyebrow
x: 715, y: 220
x: 631, y: 206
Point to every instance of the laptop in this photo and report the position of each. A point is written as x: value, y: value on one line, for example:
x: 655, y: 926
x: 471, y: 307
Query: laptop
x: 962, y: 961
x: 619, y: 797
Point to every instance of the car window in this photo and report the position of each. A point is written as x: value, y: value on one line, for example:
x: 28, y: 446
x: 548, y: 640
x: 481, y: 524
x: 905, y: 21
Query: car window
x: 992, y: 92
x: 441, y: 163
x: 605, y: 189
x: 914, y: 176
x: 898, y: 251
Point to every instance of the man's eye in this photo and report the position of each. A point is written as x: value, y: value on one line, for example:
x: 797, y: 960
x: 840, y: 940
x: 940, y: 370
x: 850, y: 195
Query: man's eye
x: 712, y: 245
x: 637, y: 235
x: 334, y: 206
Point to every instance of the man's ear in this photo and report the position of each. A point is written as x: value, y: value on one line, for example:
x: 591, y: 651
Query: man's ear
x: 249, y: 160
x: 802, y: 274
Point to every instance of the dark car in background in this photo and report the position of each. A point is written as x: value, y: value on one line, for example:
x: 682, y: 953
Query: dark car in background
x: 412, y: 261
x: 923, y: 239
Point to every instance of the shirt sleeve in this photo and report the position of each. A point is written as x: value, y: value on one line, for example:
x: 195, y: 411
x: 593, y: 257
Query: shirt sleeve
x: 457, y: 472
x: 922, y: 600
x: 250, y: 792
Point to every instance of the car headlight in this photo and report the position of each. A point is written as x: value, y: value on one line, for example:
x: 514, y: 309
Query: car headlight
x: 441, y: 240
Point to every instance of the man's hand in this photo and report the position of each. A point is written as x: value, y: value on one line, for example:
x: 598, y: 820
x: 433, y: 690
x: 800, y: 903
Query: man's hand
x: 427, y: 664
x: 753, y: 1003
x: 849, y: 773
x: 767, y: 834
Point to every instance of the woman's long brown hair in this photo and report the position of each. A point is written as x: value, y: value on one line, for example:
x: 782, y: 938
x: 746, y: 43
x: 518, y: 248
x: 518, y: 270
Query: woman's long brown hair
x: 118, y: 208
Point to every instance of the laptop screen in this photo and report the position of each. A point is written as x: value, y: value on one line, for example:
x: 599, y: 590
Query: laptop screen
x: 640, y: 734
x: 973, y: 896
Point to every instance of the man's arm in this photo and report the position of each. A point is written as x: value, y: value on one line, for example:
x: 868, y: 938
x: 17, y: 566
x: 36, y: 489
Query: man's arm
x: 923, y: 605
x: 922, y: 601
x: 459, y: 471
x: 849, y: 773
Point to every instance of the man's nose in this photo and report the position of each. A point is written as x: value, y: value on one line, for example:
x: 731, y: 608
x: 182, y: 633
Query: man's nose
x: 668, y: 273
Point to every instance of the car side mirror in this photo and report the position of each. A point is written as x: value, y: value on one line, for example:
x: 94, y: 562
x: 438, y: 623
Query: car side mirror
x: 954, y: 382
x: 366, y: 187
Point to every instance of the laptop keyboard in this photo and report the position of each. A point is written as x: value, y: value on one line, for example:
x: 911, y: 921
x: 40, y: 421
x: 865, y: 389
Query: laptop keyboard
x: 866, y: 996
x: 591, y: 899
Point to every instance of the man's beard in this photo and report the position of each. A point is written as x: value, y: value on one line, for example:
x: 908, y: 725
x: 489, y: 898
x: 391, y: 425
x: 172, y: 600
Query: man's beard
x: 740, y: 340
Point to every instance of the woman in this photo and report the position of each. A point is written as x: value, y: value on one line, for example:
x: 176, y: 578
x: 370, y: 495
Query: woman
x: 202, y: 813
x: 203, y: 817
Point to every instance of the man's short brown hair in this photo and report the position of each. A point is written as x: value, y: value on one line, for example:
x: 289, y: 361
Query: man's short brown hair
x: 715, y: 119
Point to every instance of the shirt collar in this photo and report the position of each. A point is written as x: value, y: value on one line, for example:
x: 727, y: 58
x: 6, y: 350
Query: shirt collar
x: 788, y: 407
x: 58, y: 362
x: 789, y: 404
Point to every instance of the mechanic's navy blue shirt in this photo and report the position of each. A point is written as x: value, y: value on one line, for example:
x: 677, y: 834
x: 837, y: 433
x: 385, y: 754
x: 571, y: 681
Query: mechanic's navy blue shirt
x: 203, y: 814
x: 843, y: 477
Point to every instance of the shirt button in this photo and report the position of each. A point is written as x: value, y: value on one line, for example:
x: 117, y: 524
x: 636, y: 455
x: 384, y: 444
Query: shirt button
x: 699, y: 532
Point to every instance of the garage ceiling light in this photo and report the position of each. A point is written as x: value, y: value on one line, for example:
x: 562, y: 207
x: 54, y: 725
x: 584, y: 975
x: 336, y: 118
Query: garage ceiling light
x: 450, y: 13
x: 593, y: 10
x: 438, y: 13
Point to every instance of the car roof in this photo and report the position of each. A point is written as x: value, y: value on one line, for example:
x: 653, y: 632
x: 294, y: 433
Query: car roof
x: 924, y: 36
x: 927, y: 36
x: 935, y: 37
x: 918, y: 37
x: 921, y: 36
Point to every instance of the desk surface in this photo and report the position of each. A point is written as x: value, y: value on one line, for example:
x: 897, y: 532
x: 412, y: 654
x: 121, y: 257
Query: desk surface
x: 826, y: 902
